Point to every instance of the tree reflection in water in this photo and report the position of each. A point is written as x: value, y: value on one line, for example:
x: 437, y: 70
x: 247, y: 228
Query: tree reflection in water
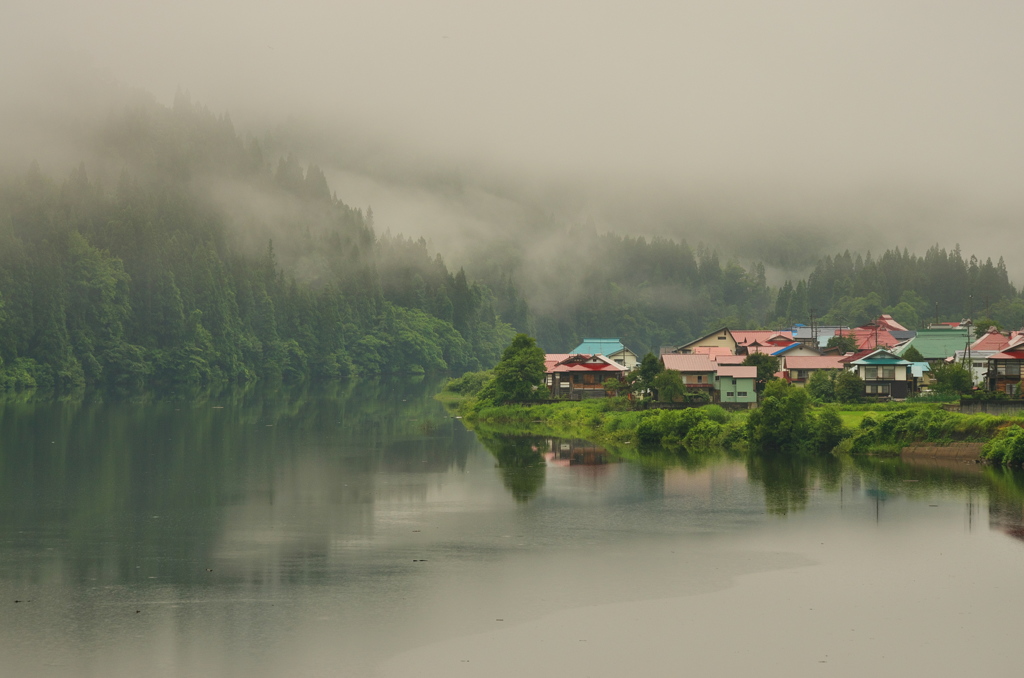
x: 787, y: 479
x: 522, y: 465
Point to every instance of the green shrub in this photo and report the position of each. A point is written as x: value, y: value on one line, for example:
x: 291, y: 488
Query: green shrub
x: 715, y: 413
x: 827, y: 429
x: 703, y: 436
x: 648, y: 432
x: 734, y: 434
x: 781, y: 423
x: 1006, y: 448
x: 468, y: 384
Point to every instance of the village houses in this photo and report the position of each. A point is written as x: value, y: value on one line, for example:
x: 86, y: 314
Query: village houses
x: 713, y: 363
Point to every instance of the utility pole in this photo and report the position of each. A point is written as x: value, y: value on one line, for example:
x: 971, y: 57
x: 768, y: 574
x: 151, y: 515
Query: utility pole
x: 967, y: 351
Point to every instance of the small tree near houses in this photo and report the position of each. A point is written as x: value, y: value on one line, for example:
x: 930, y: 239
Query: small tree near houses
x: 519, y: 375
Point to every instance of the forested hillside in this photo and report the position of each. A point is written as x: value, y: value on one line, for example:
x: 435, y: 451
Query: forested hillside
x: 183, y: 253
x: 156, y: 280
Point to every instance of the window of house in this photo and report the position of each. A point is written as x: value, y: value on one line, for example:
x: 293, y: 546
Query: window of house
x: 877, y: 389
x: 888, y: 371
x: 870, y: 373
x: 733, y: 381
x: 742, y: 394
x: 729, y: 394
x: 700, y: 378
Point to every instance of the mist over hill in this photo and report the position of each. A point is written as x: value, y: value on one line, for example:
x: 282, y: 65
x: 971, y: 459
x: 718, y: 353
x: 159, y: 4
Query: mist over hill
x: 776, y: 133
x: 648, y: 174
x: 180, y: 251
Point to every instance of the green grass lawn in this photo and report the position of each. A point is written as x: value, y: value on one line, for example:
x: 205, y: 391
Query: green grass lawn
x: 853, y: 419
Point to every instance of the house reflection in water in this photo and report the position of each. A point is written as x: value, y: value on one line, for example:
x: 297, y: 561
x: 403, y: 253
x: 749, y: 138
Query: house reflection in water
x: 574, y: 452
x: 1006, y: 514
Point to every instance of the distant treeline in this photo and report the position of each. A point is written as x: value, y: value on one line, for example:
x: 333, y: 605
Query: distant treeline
x: 916, y: 290
x: 660, y: 292
x: 192, y: 254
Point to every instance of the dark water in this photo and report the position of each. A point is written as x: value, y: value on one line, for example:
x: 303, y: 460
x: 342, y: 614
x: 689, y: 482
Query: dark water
x: 358, y: 530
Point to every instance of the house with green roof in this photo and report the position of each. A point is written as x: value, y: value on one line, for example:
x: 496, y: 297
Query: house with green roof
x: 938, y: 344
x: 609, y: 348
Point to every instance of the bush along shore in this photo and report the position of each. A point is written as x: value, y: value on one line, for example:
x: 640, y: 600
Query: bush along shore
x: 786, y: 422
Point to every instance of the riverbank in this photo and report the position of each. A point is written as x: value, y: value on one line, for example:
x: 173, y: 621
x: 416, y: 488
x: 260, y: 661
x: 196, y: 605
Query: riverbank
x: 825, y: 429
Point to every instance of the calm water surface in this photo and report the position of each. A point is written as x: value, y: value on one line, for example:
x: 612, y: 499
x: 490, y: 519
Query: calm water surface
x: 360, y: 531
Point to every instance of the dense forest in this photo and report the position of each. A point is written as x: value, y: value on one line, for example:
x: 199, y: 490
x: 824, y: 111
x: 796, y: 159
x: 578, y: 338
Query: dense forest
x: 654, y: 292
x: 182, y: 253
x: 156, y: 282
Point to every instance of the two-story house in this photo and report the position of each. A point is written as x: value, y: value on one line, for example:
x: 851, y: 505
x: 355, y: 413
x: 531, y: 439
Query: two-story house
x: 736, y: 383
x: 696, y: 370
x: 1006, y: 368
x: 579, y: 376
x: 613, y: 349
x: 885, y: 374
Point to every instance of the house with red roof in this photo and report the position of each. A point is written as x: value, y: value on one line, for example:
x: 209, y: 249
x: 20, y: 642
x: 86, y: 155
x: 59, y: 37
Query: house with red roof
x: 763, y: 337
x: 991, y: 342
x: 579, y: 376
x: 1004, y: 368
x: 713, y: 352
x: 611, y: 348
x: 872, y: 336
x: 886, y: 321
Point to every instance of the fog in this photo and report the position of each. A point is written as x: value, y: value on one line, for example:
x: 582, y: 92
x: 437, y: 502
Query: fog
x: 859, y: 125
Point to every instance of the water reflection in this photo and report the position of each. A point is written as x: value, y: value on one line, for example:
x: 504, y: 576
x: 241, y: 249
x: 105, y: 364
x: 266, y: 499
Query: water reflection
x: 575, y: 452
x: 1006, y: 500
x: 307, y: 531
x: 126, y: 491
x: 520, y: 460
x: 788, y: 482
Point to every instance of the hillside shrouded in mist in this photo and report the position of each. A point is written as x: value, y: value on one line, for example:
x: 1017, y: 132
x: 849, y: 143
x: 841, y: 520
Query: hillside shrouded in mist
x: 841, y: 125
x: 193, y: 254
x: 565, y: 169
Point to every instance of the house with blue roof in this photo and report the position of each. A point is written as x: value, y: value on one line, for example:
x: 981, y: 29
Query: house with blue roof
x: 612, y: 349
x: 797, y: 350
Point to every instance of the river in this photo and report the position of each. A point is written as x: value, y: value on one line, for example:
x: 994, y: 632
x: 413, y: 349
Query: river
x: 359, y: 530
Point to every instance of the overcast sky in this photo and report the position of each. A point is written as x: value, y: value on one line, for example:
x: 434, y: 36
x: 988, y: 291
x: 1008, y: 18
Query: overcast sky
x: 904, y: 118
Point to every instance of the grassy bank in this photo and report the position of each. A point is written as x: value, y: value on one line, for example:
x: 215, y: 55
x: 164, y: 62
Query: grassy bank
x: 889, y: 432
x: 609, y: 420
x: 871, y: 429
